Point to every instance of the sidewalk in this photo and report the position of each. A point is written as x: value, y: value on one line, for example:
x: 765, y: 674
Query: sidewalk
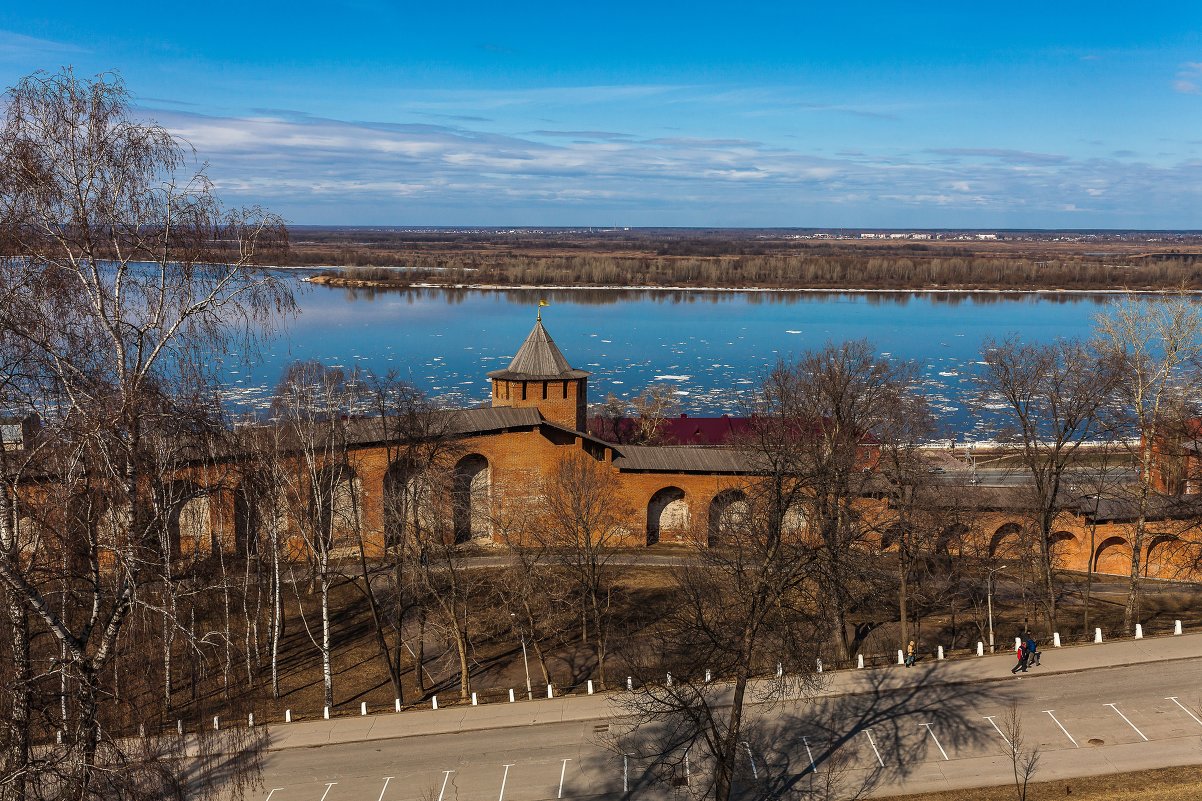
x: 459, y: 718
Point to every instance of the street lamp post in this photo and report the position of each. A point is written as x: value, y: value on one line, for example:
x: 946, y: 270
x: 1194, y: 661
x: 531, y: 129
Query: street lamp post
x: 989, y: 600
x: 525, y: 660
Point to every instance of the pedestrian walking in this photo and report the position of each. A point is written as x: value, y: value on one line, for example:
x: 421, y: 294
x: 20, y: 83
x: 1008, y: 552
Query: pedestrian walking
x: 1021, y: 653
x: 1033, y: 652
x: 911, y: 654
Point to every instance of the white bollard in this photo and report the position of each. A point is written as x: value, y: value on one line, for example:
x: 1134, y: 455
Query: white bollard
x: 474, y: 700
x: 1018, y: 641
x: 859, y: 660
x: 434, y: 702
x: 397, y: 704
x: 939, y: 652
x: 250, y: 720
x: 708, y: 676
x: 980, y: 648
x: 287, y: 715
x: 325, y: 712
x: 1139, y: 631
x: 1176, y: 626
x: 362, y: 709
x: 216, y: 723
x: 629, y: 683
x: 780, y: 670
x: 819, y: 665
x: 1055, y: 639
x: 550, y: 691
x: 901, y: 658
x: 179, y: 729
x: 590, y: 686
x: 511, y: 698
x: 1097, y: 635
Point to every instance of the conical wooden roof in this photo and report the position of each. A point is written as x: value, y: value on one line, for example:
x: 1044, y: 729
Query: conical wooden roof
x: 538, y: 359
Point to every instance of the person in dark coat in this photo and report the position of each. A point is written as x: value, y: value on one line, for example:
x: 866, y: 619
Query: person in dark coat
x: 1032, y: 651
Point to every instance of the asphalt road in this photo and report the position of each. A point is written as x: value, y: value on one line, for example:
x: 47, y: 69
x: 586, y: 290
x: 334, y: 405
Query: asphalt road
x: 937, y: 726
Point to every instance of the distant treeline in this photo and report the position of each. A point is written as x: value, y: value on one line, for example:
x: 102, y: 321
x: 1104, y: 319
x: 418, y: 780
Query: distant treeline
x: 849, y: 269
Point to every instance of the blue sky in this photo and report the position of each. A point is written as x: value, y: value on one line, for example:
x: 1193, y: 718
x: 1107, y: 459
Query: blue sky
x: 857, y: 114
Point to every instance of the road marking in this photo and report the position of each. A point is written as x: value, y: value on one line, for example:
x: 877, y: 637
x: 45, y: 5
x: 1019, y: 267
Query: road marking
x: 1061, y: 725
x: 931, y: 732
x: 387, y: 779
x: 873, y: 744
x: 446, y: 774
x: 813, y: 767
x: 327, y: 792
x: 999, y: 731
x: 270, y: 794
x: 562, y: 771
x: 1183, y: 709
x: 504, y: 778
x: 1129, y: 723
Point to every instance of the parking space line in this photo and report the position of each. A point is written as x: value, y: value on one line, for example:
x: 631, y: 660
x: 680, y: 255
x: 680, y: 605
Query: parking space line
x: 813, y: 767
x: 873, y: 744
x: 1061, y: 725
x: 387, y: 779
x: 562, y: 771
x: 446, y: 774
x: 1173, y: 698
x: 999, y: 731
x: 504, y: 778
x: 270, y: 794
x: 1129, y: 723
x: 931, y: 732
x: 327, y: 792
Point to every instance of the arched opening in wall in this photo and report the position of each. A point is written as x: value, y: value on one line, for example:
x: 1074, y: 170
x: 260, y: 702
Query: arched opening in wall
x: 336, y: 501
x: 728, y: 516
x: 1006, y: 542
x: 667, y: 511
x: 891, y: 537
x: 795, y: 518
x: 408, y: 505
x: 1063, y: 544
x: 1113, y: 556
x: 471, y: 497
x: 951, y: 539
x: 1159, y: 559
x: 189, y: 527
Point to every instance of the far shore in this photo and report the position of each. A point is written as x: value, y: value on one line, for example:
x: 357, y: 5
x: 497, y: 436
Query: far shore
x: 361, y: 283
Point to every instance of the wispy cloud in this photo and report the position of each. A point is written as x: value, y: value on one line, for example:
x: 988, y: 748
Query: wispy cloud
x: 18, y: 47
x: 1189, y: 78
x: 315, y: 169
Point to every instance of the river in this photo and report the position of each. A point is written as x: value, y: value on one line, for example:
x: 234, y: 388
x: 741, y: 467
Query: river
x: 711, y: 347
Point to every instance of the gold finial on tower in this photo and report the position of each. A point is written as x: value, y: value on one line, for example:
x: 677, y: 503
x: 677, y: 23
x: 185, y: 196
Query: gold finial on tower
x: 541, y: 303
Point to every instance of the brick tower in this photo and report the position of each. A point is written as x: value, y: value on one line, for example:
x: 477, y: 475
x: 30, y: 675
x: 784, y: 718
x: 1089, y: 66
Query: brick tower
x: 540, y: 377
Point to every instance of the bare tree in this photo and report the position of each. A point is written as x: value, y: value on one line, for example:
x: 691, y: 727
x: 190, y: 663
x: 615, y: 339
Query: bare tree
x: 652, y: 408
x: 1054, y: 395
x: 1024, y: 760
x: 1156, y: 342
x: 128, y: 269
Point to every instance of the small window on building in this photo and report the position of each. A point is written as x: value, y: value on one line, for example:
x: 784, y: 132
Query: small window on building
x: 544, y: 390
